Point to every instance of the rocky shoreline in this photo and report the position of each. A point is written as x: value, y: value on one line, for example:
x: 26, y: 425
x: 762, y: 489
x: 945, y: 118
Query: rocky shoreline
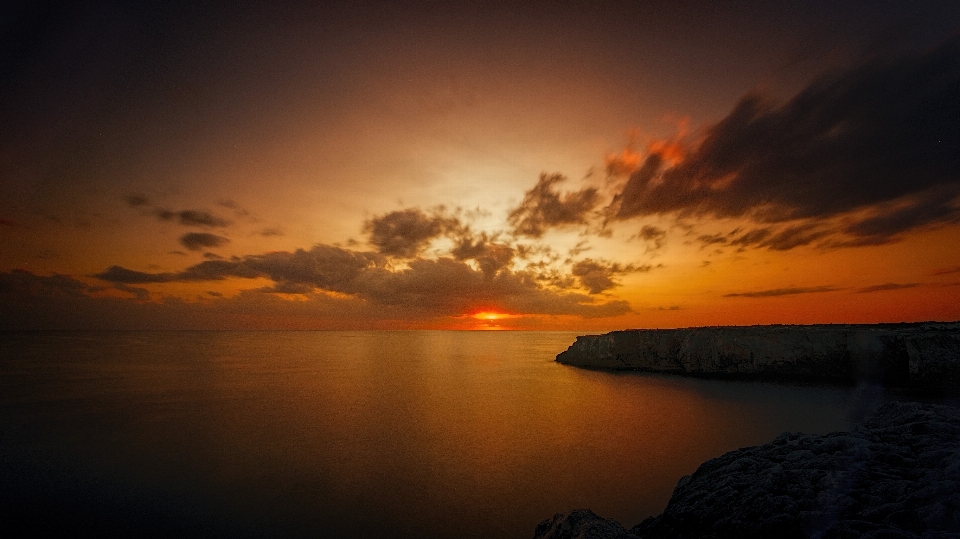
x: 897, y: 476
x: 917, y: 355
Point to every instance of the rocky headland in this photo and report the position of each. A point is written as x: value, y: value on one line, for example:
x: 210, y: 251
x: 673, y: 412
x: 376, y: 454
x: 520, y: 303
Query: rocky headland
x: 895, y: 476
x: 918, y: 355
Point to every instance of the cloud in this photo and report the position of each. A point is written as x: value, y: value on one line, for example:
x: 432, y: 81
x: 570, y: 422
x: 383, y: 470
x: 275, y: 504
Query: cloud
x: 713, y: 239
x: 121, y: 275
x: 770, y: 237
x: 192, y: 218
x: 653, y: 236
x: 199, y: 218
x: 441, y: 287
x: 490, y: 255
x: 22, y: 283
x: 946, y: 271
x: 597, y: 275
x: 782, y: 292
x: 405, y: 233
x: 794, y: 236
x: 882, y: 136
x: 196, y: 241
x: 887, y: 286
x: 622, y: 164
x: 136, y: 200
x: 543, y: 207
x: 238, y: 210
x: 932, y: 208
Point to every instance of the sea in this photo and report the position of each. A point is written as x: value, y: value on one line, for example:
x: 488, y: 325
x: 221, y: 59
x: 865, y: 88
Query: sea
x: 366, y: 434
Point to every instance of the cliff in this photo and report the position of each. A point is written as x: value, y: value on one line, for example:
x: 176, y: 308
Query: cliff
x: 894, y: 476
x: 923, y: 355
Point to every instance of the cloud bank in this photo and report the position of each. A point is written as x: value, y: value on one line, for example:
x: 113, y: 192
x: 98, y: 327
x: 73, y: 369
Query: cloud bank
x: 860, y: 156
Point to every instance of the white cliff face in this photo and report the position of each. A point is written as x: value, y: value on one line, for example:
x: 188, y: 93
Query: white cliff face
x: 921, y: 355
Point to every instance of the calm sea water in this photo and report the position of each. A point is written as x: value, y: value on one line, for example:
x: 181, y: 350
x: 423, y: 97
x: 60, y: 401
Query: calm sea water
x: 358, y: 434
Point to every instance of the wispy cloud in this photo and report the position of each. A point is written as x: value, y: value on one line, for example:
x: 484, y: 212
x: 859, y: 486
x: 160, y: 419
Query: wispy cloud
x: 887, y: 286
x: 196, y: 241
x: 543, y: 207
x: 192, y: 218
x: 878, y: 144
x: 775, y: 292
x: 196, y: 218
x: 946, y: 271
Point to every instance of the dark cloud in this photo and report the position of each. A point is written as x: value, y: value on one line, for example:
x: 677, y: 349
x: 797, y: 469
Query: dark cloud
x: 199, y: 218
x: 196, y: 241
x: 883, y: 135
x: 193, y: 218
x: 271, y: 232
x: 325, y: 267
x: 597, y: 275
x: 794, y: 236
x: 749, y: 238
x: 581, y: 247
x: 238, y: 210
x: 140, y: 294
x: 543, y: 207
x: 887, y: 286
x: 490, y: 255
x: 21, y: 283
x: 436, y: 287
x: 782, y: 292
x: 946, y: 271
x: 653, y: 236
x: 934, y: 208
x: 713, y: 239
x: 773, y: 238
x: 405, y: 233
x: 136, y: 200
x: 121, y: 275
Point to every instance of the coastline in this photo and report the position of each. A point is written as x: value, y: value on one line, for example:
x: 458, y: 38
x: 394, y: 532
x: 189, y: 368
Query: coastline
x: 923, y: 355
x: 894, y: 476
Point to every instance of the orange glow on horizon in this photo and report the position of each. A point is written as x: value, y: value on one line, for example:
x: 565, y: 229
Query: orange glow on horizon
x: 490, y: 315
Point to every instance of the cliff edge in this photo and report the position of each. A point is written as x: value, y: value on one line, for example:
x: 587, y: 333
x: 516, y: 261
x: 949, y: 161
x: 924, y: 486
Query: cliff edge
x: 897, y: 475
x: 922, y: 355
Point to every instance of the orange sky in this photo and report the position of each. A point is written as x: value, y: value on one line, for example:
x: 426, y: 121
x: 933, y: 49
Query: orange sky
x: 485, y: 166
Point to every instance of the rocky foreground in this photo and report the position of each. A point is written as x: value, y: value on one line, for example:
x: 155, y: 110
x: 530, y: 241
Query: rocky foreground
x: 922, y: 355
x: 895, y: 476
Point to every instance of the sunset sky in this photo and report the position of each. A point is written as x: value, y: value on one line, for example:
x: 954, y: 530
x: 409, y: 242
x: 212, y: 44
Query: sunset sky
x: 558, y: 165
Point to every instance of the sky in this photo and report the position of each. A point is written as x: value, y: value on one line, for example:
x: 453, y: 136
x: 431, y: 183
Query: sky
x: 486, y: 165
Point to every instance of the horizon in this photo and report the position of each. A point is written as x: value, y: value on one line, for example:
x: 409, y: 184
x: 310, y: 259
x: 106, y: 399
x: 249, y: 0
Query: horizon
x: 479, y: 166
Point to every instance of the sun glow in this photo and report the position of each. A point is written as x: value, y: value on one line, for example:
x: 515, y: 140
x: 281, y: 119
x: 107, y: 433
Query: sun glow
x: 489, y: 315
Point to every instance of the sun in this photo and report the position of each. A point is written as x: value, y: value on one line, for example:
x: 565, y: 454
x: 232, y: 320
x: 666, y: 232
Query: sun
x: 490, y: 315
x: 490, y: 320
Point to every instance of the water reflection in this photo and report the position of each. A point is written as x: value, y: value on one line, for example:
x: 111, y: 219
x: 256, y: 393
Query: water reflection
x: 361, y: 434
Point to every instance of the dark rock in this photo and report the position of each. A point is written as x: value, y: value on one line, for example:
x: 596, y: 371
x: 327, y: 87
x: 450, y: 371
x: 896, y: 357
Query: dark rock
x: 898, y: 475
x: 581, y: 524
x: 922, y: 355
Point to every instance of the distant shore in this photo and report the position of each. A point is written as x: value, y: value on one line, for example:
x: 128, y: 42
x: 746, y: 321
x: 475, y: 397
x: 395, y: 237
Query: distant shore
x: 923, y: 355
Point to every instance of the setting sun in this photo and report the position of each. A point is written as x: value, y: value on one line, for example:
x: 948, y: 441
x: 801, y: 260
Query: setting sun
x: 488, y: 315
